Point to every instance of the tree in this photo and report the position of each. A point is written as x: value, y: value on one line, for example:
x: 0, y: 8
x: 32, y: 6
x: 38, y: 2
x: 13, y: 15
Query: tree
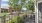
x: 15, y: 4
x: 30, y: 5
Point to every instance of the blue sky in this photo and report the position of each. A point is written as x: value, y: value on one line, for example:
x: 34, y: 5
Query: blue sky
x: 4, y: 1
x: 4, y: 4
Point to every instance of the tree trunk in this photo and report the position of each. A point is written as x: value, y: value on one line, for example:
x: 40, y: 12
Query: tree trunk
x: 18, y: 13
x: 32, y: 11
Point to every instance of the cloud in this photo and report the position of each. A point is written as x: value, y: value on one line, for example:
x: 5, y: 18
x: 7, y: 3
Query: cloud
x: 5, y: 0
x: 4, y: 5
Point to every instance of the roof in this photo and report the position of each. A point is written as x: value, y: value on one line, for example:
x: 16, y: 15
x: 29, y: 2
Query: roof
x: 5, y: 8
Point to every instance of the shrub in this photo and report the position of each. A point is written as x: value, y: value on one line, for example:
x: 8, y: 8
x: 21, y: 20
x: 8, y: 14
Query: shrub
x: 17, y: 19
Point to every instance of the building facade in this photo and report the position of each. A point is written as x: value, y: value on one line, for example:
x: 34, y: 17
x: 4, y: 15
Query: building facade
x: 38, y: 11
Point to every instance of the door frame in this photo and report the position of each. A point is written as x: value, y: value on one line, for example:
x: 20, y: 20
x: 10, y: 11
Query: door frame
x: 38, y: 10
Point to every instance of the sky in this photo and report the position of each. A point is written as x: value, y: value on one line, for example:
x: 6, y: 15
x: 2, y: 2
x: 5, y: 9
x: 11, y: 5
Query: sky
x: 4, y: 4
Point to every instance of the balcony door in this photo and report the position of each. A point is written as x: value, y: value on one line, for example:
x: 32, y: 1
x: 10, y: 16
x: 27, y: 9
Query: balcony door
x: 40, y: 12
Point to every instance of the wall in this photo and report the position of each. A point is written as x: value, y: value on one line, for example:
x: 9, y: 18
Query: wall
x: 37, y: 11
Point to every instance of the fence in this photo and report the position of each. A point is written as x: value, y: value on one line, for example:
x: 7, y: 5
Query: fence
x: 5, y: 18
x: 30, y: 19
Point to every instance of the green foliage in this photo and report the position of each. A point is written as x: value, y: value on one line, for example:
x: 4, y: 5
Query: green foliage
x: 23, y: 0
x: 17, y: 19
x: 14, y: 4
x: 30, y: 5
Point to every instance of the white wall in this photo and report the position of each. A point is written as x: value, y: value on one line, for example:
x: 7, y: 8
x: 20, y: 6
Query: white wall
x: 36, y: 12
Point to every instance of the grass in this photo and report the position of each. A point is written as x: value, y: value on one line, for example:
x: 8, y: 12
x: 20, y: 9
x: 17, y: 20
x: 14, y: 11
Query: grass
x: 2, y: 14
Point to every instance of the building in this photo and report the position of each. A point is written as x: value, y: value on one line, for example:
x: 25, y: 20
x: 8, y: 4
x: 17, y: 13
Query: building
x: 7, y: 9
x: 4, y: 10
x: 38, y: 11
